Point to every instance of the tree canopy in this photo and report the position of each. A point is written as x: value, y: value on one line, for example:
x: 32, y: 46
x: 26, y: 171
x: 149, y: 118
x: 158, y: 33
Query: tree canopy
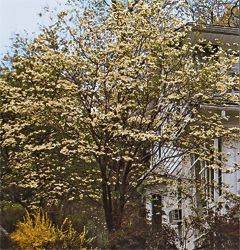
x: 88, y: 103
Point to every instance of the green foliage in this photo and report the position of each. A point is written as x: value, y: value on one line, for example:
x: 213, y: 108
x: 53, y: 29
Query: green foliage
x: 219, y: 230
x: 38, y: 232
x: 10, y: 213
x: 138, y: 233
x: 163, y: 238
x: 142, y: 236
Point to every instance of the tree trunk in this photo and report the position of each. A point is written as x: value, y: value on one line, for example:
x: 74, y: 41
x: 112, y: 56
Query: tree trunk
x: 107, y: 202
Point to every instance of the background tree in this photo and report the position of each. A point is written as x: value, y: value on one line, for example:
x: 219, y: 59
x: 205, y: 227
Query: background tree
x: 211, y: 11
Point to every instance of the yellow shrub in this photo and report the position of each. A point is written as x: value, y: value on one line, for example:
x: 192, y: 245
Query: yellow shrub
x: 72, y: 240
x: 36, y: 232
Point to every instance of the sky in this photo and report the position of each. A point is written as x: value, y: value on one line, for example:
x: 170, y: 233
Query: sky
x: 16, y: 16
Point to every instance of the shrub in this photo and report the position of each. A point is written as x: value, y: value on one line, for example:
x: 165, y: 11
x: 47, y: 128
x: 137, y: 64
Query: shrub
x: 69, y: 238
x: 38, y: 232
x: 35, y: 232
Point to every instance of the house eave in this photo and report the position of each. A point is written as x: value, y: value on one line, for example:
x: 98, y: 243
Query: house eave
x: 221, y: 108
x: 216, y: 34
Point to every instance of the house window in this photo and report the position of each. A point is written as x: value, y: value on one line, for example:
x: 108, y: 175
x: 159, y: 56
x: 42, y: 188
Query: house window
x: 211, y: 183
x: 210, y: 180
x: 219, y: 174
x: 156, y: 211
x: 204, y: 181
x: 205, y: 176
x: 175, y: 216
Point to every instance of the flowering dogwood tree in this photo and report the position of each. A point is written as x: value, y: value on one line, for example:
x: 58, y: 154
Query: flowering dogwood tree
x: 87, y: 104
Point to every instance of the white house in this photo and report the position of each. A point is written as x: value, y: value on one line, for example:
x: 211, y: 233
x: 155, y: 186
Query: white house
x: 167, y: 204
